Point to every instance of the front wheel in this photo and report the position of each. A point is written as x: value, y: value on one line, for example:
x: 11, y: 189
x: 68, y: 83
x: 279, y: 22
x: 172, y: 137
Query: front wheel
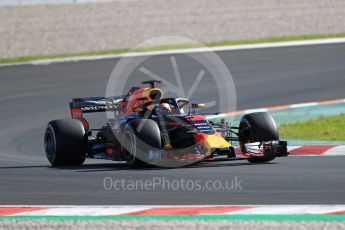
x: 139, y: 137
x: 258, y: 127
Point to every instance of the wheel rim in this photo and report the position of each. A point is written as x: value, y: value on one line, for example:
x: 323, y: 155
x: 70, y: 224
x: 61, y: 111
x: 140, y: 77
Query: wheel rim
x: 49, y: 145
x: 248, y: 138
x: 128, y: 147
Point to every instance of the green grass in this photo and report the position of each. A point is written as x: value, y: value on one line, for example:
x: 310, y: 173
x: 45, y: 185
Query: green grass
x: 323, y: 129
x: 169, y: 47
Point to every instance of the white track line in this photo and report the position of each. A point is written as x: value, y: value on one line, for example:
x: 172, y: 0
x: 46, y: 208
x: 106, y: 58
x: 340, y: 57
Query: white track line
x: 181, y: 51
x: 336, y: 151
x: 301, y: 105
x: 86, y: 211
x: 291, y: 209
x: 293, y: 147
x: 283, y: 107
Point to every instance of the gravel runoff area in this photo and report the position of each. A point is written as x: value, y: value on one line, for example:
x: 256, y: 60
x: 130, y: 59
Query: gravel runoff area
x: 151, y: 225
x: 74, y: 28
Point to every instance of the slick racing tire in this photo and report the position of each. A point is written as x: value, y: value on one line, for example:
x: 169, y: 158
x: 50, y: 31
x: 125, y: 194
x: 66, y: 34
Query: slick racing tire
x: 140, y: 136
x: 65, y: 142
x: 258, y: 127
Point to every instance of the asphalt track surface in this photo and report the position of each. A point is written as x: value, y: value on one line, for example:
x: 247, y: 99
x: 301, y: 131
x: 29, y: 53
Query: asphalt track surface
x: 30, y: 96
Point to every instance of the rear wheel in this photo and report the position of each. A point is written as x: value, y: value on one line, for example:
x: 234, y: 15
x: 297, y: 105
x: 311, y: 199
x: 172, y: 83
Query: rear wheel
x: 65, y: 142
x: 258, y: 127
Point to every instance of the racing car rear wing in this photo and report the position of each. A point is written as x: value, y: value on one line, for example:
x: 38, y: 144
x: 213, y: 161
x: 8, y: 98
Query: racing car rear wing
x: 96, y: 104
x: 79, y: 106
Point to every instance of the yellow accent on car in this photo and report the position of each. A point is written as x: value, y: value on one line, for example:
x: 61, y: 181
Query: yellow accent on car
x: 152, y: 94
x: 213, y: 142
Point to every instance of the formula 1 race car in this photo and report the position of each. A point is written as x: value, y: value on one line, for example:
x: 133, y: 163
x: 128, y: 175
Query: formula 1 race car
x: 145, y: 128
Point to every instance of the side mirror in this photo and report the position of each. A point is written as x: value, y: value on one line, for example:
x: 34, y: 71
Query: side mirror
x: 195, y: 106
x: 198, y: 106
